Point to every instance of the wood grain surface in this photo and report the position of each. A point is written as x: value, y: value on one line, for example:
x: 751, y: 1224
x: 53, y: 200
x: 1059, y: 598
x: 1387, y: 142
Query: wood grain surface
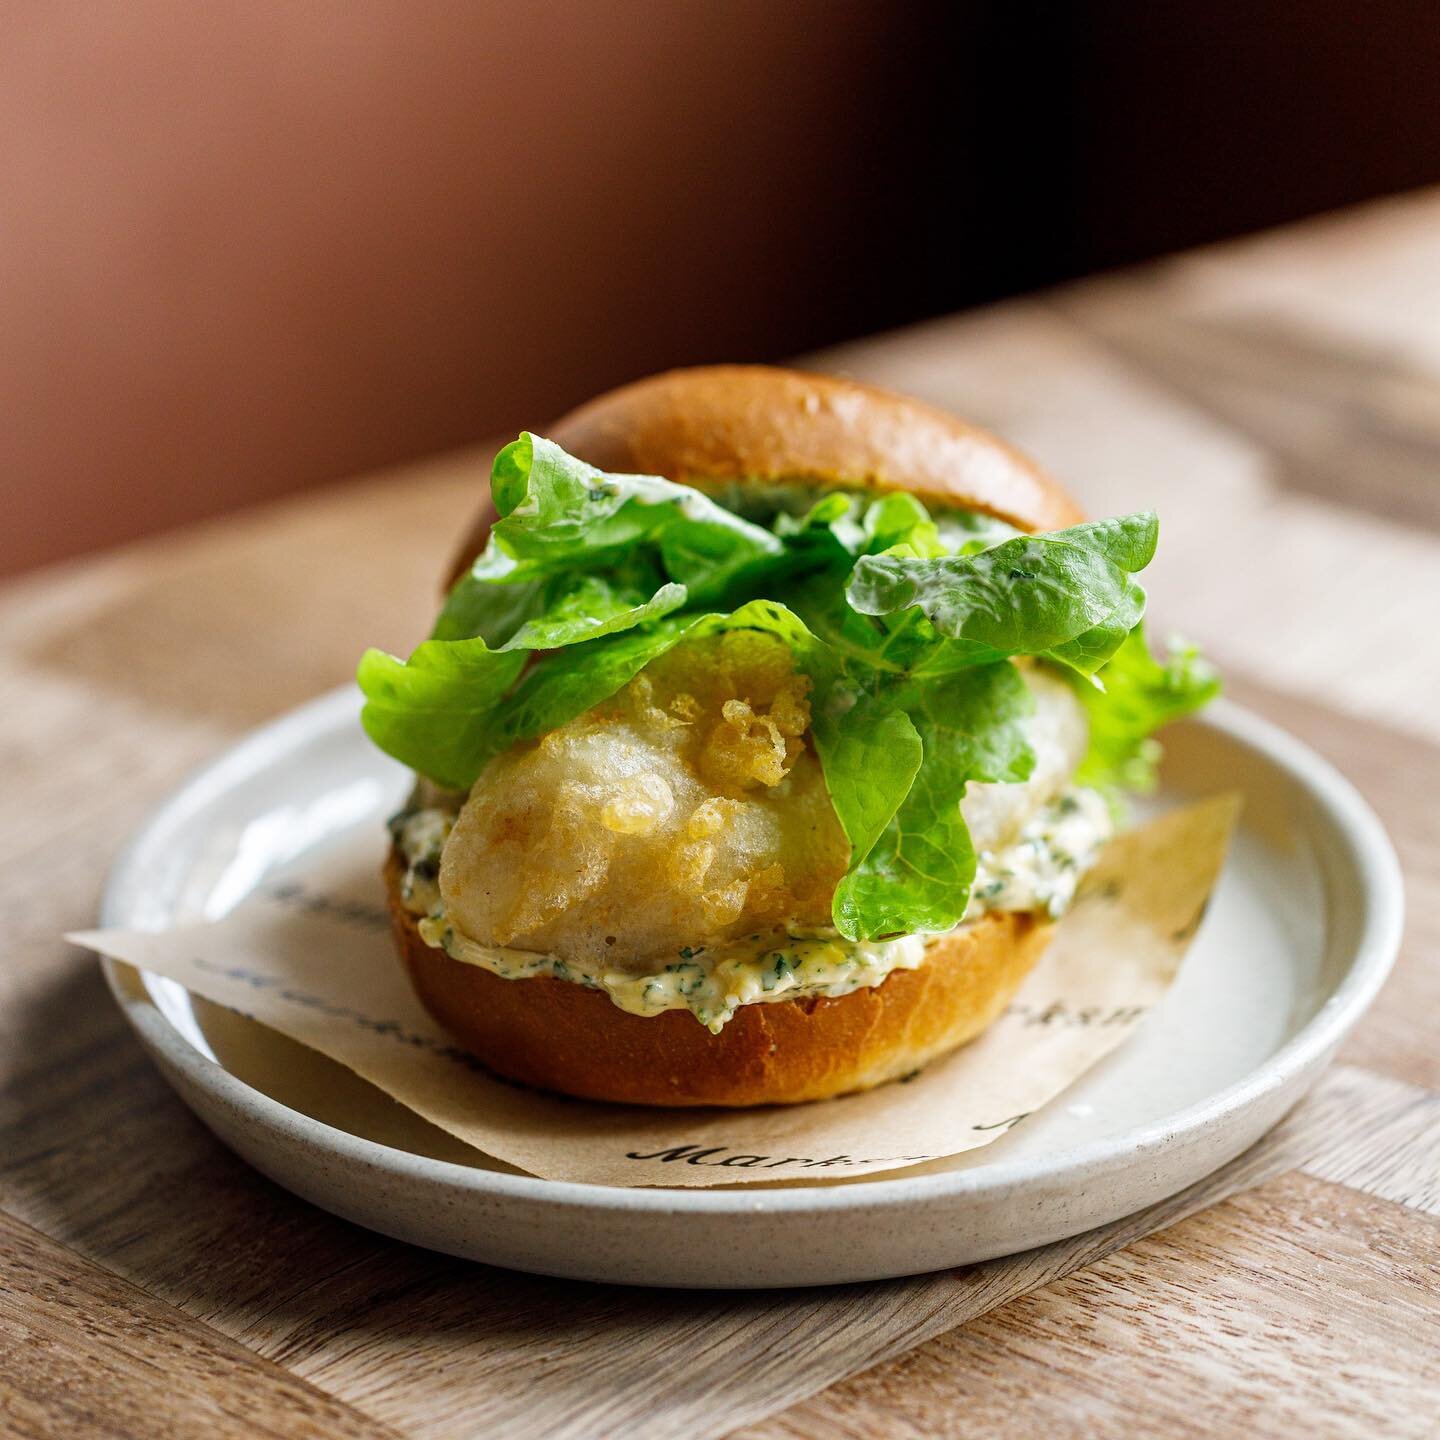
x: 1295, y: 1305
x: 1278, y: 400
x: 81, y: 1352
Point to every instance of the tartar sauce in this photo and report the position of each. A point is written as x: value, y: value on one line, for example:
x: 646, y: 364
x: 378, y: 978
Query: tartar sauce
x: 711, y: 984
x: 1039, y: 870
x: 420, y: 836
x: 1041, y: 867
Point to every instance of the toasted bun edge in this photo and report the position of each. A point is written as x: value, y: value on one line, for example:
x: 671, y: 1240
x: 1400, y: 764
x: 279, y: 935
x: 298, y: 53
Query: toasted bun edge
x: 713, y: 425
x: 559, y: 1036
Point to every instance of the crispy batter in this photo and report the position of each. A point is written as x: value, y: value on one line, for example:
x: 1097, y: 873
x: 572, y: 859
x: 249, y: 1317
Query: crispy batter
x: 687, y: 812
x: 690, y: 805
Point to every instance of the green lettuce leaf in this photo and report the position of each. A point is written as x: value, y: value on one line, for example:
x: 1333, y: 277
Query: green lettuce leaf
x: 587, y: 609
x: 1087, y: 652
x: 905, y: 622
x: 577, y: 554
x: 556, y: 511
x: 917, y: 875
x: 436, y: 712
x: 499, y: 596
x: 561, y: 686
x: 1035, y: 594
x: 861, y: 525
x: 1139, y: 694
x: 454, y: 705
x: 871, y: 753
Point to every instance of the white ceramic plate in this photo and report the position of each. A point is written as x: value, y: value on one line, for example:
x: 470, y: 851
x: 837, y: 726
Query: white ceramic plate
x: 1299, y: 937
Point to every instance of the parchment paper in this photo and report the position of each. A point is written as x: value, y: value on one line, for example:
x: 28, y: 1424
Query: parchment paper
x: 310, y: 955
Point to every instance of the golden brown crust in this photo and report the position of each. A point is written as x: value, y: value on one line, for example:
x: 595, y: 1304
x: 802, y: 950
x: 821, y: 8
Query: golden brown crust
x: 560, y: 1036
x: 716, y: 424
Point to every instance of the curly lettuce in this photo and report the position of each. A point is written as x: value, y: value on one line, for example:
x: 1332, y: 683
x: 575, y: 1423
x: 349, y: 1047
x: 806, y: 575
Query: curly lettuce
x: 906, y: 623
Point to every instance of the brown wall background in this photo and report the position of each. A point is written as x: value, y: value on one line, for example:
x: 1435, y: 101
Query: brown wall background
x: 254, y: 245
x: 246, y: 247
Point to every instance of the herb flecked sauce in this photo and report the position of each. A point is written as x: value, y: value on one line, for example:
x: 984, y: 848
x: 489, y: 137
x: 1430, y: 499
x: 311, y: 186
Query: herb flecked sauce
x: 1037, y: 871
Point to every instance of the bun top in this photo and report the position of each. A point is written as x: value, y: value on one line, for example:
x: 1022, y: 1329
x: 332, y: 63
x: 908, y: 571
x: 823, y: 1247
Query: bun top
x: 716, y: 424
x: 720, y: 423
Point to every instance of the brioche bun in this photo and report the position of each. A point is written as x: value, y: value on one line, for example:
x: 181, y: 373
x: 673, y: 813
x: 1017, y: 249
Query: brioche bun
x: 560, y: 1036
x: 716, y: 424
x: 710, y: 427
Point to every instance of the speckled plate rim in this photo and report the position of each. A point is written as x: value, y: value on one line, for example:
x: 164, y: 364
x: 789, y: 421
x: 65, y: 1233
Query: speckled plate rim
x: 1364, y: 851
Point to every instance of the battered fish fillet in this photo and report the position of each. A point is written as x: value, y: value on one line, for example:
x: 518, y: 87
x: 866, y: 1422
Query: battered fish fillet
x: 689, y: 811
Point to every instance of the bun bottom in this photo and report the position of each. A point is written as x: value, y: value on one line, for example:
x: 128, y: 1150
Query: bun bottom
x: 557, y: 1035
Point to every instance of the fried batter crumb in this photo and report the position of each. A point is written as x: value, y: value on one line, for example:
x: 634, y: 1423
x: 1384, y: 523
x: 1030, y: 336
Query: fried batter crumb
x: 685, y: 812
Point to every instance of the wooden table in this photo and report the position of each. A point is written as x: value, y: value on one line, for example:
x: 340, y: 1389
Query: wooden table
x: 1279, y: 400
